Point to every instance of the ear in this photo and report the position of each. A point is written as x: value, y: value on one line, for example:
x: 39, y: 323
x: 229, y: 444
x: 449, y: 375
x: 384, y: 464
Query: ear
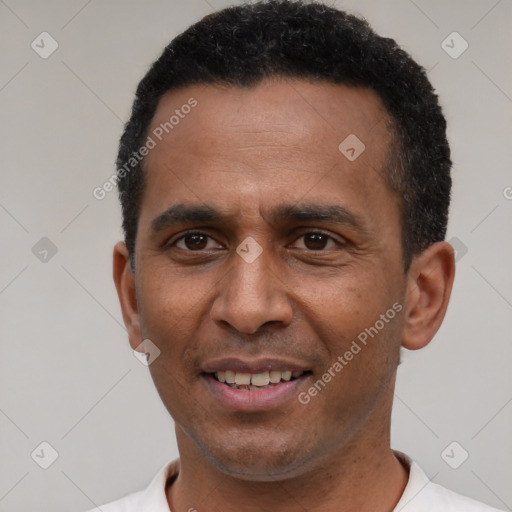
x: 429, y: 285
x: 125, y: 285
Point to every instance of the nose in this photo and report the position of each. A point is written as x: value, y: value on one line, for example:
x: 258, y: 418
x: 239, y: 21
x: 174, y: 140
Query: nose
x: 252, y: 295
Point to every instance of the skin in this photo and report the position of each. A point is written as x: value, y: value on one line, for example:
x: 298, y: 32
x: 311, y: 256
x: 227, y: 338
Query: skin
x: 247, y: 151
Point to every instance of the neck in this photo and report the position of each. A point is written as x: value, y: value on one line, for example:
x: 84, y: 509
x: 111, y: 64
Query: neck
x: 363, y: 476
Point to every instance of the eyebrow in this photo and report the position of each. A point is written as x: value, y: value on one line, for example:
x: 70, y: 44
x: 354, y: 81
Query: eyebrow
x: 180, y: 214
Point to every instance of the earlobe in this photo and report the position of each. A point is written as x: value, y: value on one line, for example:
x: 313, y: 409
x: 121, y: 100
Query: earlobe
x: 429, y: 285
x: 125, y: 286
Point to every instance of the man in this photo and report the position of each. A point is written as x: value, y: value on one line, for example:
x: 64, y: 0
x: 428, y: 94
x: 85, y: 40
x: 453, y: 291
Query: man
x: 285, y: 183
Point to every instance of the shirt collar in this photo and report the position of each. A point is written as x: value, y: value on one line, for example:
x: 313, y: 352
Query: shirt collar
x: 418, y: 480
x: 154, y: 498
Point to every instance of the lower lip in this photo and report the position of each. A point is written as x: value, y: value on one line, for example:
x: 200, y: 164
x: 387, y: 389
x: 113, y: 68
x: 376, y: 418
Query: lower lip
x: 254, y: 400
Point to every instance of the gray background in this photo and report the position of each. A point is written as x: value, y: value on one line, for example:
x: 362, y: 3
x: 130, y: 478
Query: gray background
x: 67, y: 374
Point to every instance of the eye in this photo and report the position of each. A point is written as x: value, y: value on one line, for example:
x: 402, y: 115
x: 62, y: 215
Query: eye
x: 317, y: 241
x: 195, y: 241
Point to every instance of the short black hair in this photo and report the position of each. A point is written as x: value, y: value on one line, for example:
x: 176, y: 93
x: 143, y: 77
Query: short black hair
x: 240, y: 46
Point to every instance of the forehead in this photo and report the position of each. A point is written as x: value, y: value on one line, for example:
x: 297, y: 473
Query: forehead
x: 281, y: 139
x: 293, y: 110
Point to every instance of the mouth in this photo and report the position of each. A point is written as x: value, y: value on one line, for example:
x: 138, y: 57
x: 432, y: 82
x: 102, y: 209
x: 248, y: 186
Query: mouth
x: 256, y: 381
x: 254, y: 386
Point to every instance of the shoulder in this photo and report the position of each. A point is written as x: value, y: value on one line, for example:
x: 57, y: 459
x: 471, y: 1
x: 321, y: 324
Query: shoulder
x: 445, y: 499
x: 152, y: 498
x: 127, y: 504
x: 423, y: 495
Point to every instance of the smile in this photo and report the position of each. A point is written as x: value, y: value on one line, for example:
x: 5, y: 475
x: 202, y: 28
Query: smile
x: 256, y: 381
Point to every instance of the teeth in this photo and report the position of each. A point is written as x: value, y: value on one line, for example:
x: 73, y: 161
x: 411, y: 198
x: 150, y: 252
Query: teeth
x: 260, y: 379
x: 242, y: 378
x: 256, y: 379
x: 275, y: 376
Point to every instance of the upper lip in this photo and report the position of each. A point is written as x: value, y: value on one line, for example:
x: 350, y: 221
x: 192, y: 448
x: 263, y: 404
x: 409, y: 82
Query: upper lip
x: 252, y: 366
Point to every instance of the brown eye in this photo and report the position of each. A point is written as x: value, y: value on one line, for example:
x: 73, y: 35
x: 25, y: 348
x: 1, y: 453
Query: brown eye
x: 315, y: 241
x: 193, y: 242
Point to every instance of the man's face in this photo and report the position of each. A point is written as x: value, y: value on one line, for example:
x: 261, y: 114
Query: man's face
x: 263, y: 162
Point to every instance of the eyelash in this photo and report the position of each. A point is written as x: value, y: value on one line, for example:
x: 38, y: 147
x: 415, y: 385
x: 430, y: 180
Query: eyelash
x: 314, y: 232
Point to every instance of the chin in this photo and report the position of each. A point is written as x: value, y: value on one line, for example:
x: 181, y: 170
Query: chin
x: 255, y: 461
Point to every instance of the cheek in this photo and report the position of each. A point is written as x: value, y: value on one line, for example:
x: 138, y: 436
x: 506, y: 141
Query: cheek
x: 363, y: 351
x: 169, y: 300
x: 341, y: 308
x: 170, y: 311
x: 356, y: 322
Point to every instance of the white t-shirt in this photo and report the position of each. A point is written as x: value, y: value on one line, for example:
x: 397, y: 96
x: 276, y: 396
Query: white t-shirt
x: 420, y: 495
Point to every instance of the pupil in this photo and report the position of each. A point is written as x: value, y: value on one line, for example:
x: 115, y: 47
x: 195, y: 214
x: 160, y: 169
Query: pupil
x: 315, y: 241
x: 195, y: 241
